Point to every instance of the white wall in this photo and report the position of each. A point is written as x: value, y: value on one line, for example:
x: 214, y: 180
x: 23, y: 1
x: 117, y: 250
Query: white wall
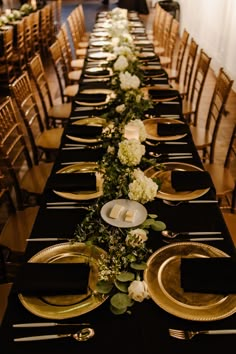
x: 212, y: 23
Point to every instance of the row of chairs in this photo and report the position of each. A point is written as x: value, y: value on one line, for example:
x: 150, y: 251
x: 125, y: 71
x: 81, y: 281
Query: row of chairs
x: 188, y: 74
x: 32, y: 123
x: 33, y: 34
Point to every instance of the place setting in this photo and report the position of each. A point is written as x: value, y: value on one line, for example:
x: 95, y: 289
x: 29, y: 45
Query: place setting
x: 165, y: 129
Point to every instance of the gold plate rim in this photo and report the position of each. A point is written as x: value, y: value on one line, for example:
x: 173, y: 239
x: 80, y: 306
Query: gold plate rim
x: 43, y: 309
x: 224, y: 305
x: 177, y: 195
x: 154, y: 121
x: 87, y: 167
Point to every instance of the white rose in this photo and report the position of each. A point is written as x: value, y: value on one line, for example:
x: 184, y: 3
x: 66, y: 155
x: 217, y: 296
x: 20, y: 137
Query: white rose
x: 136, y: 237
x: 121, y: 63
x: 138, y: 290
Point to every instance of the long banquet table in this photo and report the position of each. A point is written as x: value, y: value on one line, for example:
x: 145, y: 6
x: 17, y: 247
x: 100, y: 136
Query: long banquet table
x: 145, y: 329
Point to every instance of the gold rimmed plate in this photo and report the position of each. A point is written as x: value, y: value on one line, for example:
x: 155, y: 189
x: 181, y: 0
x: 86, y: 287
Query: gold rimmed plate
x: 100, y: 43
x: 151, y: 128
x: 66, y: 306
x: 82, y: 167
x: 162, y: 276
x: 97, y: 72
x: 102, y: 55
x: 88, y: 121
x: 167, y: 192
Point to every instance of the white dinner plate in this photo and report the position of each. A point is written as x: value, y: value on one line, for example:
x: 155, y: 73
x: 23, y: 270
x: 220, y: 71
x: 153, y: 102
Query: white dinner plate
x: 140, y: 216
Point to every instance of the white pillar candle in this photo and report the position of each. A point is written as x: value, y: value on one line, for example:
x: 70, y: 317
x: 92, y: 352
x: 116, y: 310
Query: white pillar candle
x: 131, y: 132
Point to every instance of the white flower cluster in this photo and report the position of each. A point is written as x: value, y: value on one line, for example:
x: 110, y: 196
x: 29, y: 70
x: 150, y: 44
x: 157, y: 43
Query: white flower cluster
x: 137, y: 123
x: 130, y: 152
x: 121, y: 63
x: 143, y: 189
x: 126, y: 51
x: 136, y: 237
x: 128, y: 81
x: 119, y: 13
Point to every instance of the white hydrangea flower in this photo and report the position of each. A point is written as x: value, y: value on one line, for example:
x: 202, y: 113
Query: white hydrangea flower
x: 121, y: 63
x: 143, y: 189
x: 128, y: 81
x: 136, y: 237
x: 130, y: 152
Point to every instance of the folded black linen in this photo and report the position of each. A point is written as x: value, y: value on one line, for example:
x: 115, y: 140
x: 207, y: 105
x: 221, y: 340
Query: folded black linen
x: 91, y: 97
x: 86, y: 131
x: 169, y: 129
x: 153, y: 73
x: 190, y: 180
x: 52, y: 278
x: 73, y: 182
x: 215, y: 275
x: 93, y: 85
x: 102, y: 72
x: 162, y: 94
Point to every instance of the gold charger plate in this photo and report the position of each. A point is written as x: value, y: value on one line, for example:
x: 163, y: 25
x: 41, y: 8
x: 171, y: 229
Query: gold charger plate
x: 82, y: 167
x: 166, y: 191
x: 66, y: 306
x: 88, y: 121
x: 162, y: 276
x: 102, y: 55
x: 151, y: 128
x: 94, y: 72
x: 99, y: 43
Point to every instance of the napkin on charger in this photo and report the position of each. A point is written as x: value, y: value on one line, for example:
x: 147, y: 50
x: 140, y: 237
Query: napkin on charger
x: 162, y: 94
x: 84, y: 130
x: 190, y: 180
x: 215, y: 275
x: 170, y: 129
x: 102, y: 72
x: 91, y: 97
x: 52, y: 279
x: 73, y: 182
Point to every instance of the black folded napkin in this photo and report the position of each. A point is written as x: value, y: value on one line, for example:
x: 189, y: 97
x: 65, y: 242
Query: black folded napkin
x: 73, y: 182
x: 102, y: 72
x: 208, y: 275
x: 190, y: 180
x: 52, y: 279
x: 93, y: 85
x: 153, y: 72
x: 162, y: 94
x: 84, y: 131
x: 169, y: 129
x: 91, y: 97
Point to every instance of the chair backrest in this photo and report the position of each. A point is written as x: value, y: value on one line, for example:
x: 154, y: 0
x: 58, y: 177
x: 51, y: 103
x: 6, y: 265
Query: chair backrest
x: 220, y: 95
x: 189, y: 66
x: 166, y: 30
x: 181, y: 52
x: 29, y: 45
x: 160, y: 26
x: 170, y: 47
x: 39, y: 76
x: 80, y: 10
x: 231, y: 152
x: 73, y: 33
x: 59, y: 66
x: 65, y: 51
x: 19, y: 57
x: 198, y: 81
x: 35, y: 30
x: 23, y: 94
x: 7, y: 69
x: 14, y: 153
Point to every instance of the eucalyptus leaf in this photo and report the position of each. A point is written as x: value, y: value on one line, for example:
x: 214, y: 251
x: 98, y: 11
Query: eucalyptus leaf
x: 158, y: 226
x: 122, y: 286
x: 125, y: 276
x: 117, y: 311
x: 120, y: 301
x: 153, y: 216
x: 104, y: 287
x: 138, y: 266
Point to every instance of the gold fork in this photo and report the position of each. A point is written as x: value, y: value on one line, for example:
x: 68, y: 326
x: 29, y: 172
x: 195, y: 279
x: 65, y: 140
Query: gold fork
x: 186, y: 335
